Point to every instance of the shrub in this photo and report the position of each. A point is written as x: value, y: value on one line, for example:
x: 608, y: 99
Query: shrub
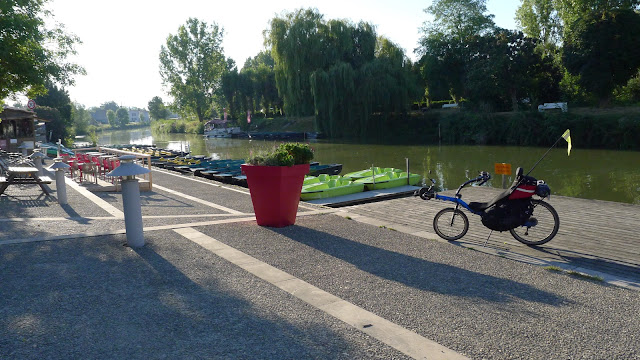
x: 286, y: 154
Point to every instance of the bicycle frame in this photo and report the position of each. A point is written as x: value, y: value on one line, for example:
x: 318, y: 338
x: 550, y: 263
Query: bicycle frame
x: 457, y: 199
x: 459, y: 202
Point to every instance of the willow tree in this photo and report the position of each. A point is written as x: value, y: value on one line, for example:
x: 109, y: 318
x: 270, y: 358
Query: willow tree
x: 298, y: 50
x: 192, y: 65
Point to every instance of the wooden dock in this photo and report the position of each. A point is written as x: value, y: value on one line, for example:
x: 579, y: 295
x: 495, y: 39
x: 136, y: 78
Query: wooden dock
x: 597, y: 237
x: 366, y: 196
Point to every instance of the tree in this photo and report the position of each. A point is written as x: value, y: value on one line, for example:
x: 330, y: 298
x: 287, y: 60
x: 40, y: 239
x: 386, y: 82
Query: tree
x: 445, y: 43
x: 507, y: 69
x: 540, y: 20
x: 458, y: 20
x: 157, y: 110
x: 110, y: 105
x: 122, y: 117
x: 81, y: 118
x: 297, y: 51
x: 31, y: 54
x: 56, y: 98
x: 192, y: 65
x: 111, y: 117
x: 604, y: 51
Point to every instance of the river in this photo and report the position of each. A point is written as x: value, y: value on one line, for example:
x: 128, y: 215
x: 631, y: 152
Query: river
x: 590, y: 174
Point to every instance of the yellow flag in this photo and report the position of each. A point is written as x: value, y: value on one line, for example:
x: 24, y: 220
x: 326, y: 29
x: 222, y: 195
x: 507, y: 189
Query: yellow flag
x: 567, y: 136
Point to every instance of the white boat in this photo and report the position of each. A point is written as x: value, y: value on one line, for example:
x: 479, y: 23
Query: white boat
x: 218, y: 129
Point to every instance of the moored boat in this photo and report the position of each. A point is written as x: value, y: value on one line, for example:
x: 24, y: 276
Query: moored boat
x: 332, y: 188
x: 388, y: 180
x: 330, y: 169
x: 369, y: 172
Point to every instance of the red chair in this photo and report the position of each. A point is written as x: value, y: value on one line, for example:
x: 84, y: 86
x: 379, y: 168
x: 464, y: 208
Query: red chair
x: 115, y: 162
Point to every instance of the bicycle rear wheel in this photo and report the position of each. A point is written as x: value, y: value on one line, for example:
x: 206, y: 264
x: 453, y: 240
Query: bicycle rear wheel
x: 450, y: 224
x: 546, y: 227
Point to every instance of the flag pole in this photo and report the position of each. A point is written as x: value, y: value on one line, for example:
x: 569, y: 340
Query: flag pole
x: 545, y: 155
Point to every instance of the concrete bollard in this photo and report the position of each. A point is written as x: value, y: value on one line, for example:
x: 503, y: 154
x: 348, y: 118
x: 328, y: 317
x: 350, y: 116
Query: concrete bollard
x: 61, y: 186
x: 37, y: 160
x: 131, y: 198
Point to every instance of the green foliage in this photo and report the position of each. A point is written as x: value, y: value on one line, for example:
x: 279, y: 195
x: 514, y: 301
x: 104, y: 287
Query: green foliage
x: 157, y: 110
x: 252, y: 89
x: 339, y: 71
x: 298, y: 47
x: 286, y: 154
x: 629, y: 94
x: 192, y: 65
x: 458, y: 20
x: 122, y: 117
x: 177, y: 127
x: 111, y: 117
x: 33, y: 54
x: 93, y: 137
x: 609, y: 130
x: 540, y: 20
x: 61, y: 122
x: 604, y: 51
x: 110, y: 105
x: 445, y: 44
x: 81, y: 118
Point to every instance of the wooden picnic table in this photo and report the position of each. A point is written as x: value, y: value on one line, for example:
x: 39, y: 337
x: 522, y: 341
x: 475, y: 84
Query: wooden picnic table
x: 24, y: 175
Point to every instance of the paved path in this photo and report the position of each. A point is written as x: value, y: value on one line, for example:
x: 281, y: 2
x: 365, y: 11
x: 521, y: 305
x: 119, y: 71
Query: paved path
x: 210, y: 283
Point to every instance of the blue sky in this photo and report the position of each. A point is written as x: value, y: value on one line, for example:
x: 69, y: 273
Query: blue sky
x: 122, y: 38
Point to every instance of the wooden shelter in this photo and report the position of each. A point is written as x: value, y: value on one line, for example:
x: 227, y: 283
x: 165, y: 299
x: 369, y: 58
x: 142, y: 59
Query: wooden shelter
x: 17, y: 128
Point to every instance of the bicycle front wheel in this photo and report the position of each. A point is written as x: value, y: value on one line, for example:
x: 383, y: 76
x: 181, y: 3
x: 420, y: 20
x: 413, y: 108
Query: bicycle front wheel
x: 546, y: 225
x: 450, y: 224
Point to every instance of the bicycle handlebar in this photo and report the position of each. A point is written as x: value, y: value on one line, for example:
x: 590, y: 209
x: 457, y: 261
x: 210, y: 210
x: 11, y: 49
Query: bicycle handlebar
x: 483, y: 178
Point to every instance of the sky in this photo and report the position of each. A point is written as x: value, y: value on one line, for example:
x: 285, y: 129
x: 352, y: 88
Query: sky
x: 122, y: 38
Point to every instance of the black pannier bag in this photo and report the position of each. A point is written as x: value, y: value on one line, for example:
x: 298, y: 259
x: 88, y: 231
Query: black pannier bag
x: 507, y: 214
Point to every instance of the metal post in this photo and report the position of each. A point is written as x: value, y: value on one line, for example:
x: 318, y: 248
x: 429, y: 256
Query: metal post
x: 373, y: 176
x: 131, y: 198
x: 132, y: 212
x: 61, y: 186
x: 408, y: 181
x: 504, y: 181
x: 37, y: 160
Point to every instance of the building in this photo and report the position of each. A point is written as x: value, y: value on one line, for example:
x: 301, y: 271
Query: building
x: 17, y: 128
x: 100, y: 116
x: 137, y: 116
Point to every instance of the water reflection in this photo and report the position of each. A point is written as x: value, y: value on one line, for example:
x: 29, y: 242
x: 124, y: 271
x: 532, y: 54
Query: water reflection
x: 591, y: 174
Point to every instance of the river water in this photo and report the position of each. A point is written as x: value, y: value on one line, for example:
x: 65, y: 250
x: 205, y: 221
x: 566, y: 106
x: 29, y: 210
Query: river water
x: 590, y: 174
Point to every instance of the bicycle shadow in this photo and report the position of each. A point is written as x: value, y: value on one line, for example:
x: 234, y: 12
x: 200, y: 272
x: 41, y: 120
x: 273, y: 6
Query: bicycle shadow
x: 418, y: 273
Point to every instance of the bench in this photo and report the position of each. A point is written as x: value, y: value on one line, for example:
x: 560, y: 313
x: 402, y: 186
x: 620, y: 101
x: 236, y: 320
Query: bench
x: 19, y: 180
x: 550, y: 106
x: 447, y: 106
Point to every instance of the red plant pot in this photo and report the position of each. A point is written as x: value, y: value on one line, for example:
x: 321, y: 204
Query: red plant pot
x: 275, y: 192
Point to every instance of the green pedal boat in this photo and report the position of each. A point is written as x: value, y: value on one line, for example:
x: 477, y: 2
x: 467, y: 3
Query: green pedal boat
x: 369, y: 172
x: 389, y: 180
x: 336, y: 186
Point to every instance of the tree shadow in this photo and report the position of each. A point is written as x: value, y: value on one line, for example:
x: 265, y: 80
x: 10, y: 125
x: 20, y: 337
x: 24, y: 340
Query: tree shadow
x: 419, y: 273
x: 620, y: 268
x: 96, y: 297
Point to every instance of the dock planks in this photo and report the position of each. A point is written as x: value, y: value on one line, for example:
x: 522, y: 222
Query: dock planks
x: 598, y: 235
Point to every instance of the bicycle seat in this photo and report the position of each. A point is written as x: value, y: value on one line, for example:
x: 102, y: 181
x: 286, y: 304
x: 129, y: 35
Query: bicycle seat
x: 482, y: 206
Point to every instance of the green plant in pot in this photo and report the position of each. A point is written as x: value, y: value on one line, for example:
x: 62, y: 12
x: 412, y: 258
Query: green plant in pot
x: 275, y: 182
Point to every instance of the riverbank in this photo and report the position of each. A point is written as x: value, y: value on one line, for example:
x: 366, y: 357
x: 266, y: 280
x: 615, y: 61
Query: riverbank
x: 210, y: 283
